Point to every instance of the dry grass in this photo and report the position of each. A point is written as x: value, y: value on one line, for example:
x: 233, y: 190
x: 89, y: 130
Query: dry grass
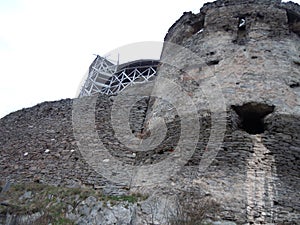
x: 194, y: 210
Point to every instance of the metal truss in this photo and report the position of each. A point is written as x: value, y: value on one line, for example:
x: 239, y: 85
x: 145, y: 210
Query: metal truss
x: 107, y: 78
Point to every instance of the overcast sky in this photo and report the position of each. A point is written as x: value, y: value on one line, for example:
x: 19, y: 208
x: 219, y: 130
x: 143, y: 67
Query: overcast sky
x: 46, y: 46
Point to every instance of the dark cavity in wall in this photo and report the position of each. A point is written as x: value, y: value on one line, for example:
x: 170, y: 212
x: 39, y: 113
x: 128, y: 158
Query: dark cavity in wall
x: 251, y: 116
x: 297, y: 62
x: 197, y: 24
x: 294, y: 85
x: 242, y: 31
x: 213, y: 62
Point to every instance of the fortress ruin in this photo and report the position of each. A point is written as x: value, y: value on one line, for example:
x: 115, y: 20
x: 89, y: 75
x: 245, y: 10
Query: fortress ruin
x: 244, y: 84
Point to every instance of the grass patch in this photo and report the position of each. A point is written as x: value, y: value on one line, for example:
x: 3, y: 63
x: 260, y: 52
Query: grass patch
x: 52, y: 201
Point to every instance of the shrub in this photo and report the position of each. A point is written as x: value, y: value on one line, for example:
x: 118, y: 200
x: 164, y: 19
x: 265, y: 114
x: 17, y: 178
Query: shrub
x: 192, y: 209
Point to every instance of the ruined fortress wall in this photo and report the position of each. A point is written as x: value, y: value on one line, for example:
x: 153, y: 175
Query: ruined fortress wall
x: 49, y: 126
x: 38, y: 144
x: 252, y: 49
x: 255, y: 174
x: 32, y: 131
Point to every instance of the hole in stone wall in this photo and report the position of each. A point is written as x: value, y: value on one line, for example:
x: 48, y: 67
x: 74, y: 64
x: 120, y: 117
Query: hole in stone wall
x: 197, y: 24
x: 294, y: 85
x: 252, y: 116
x: 213, y: 62
x: 210, y: 53
x: 242, y: 31
x: 275, y: 202
x: 242, y: 23
x: 297, y: 62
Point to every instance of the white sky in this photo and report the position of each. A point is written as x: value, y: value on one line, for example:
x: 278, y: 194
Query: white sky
x: 46, y: 46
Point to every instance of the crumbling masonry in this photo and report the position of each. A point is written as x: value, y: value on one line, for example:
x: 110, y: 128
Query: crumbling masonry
x: 252, y: 50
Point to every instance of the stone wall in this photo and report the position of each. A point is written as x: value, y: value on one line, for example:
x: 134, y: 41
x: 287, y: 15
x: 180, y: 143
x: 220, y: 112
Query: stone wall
x: 27, y: 136
x: 238, y: 61
x: 248, y: 51
x: 50, y: 128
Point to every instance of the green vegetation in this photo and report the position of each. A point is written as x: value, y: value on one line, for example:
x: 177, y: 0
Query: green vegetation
x: 53, y: 202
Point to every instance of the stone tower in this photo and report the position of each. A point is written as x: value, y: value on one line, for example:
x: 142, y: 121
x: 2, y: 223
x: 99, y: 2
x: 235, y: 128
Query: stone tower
x: 239, y: 61
x: 221, y: 119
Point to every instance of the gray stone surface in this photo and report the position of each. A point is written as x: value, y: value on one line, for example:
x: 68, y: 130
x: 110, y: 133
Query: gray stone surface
x: 252, y: 174
x: 239, y: 71
x: 92, y: 211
